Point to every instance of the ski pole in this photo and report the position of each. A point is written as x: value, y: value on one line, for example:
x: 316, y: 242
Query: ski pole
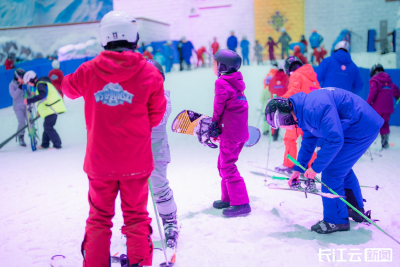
x: 376, y: 187
x: 158, y: 223
x: 269, y: 145
x: 342, y: 199
x: 398, y: 100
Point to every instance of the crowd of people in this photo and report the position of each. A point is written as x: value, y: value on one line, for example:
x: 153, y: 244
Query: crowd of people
x: 336, y: 131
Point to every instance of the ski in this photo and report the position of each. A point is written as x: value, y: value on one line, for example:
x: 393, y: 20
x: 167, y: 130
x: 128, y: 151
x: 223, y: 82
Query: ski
x: 286, y: 177
x: 14, y: 135
x: 31, y: 117
x: 319, y: 193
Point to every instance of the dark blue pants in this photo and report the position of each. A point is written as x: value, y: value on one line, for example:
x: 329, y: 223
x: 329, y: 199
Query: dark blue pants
x: 339, y: 176
x: 49, y: 133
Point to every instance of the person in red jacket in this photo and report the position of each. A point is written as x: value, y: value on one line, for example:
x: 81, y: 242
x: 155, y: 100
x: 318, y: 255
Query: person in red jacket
x: 297, y: 53
x: 215, y: 46
x: 56, y: 76
x: 124, y: 100
x: 381, y: 93
x: 148, y: 53
x: 302, y: 78
x: 278, y: 86
x: 9, y: 63
x: 200, y: 53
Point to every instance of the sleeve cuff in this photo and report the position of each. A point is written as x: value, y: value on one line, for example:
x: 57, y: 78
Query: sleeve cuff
x: 297, y: 168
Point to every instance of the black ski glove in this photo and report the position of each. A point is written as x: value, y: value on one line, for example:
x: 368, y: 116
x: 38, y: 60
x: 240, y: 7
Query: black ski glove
x: 207, y: 129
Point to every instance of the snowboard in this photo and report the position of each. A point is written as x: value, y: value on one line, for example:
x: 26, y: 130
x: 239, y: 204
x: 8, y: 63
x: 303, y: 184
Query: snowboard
x: 188, y: 122
x: 31, y: 117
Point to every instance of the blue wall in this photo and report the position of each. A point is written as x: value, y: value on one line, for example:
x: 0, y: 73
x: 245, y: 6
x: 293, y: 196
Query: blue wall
x: 41, y: 66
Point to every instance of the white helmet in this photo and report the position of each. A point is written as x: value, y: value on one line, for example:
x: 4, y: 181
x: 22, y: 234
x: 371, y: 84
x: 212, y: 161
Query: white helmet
x: 118, y: 26
x: 55, y: 64
x: 342, y: 44
x: 283, y: 30
x: 281, y: 65
x: 29, y: 76
x: 149, y: 49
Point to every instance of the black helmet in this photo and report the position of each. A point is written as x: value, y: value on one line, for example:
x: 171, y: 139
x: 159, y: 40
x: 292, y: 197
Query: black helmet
x: 292, y: 63
x: 158, y: 66
x: 19, y: 74
x: 228, y: 61
x: 376, y: 67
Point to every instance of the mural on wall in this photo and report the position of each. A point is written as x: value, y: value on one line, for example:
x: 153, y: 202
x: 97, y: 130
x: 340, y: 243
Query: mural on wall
x: 277, y: 21
x: 21, y: 13
x: 271, y: 15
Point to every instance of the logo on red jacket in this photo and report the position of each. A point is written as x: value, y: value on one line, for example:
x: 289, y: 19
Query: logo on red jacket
x: 112, y: 95
x: 343, y: 67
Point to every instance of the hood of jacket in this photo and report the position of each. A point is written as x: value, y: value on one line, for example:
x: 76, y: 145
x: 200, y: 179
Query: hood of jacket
x: 297, y: 101
x: 117, y: 67
x: 382, y: 78
x: 306, y: 71
x: 296, y: 49
x: 342, y: 57
x: 235, y: 79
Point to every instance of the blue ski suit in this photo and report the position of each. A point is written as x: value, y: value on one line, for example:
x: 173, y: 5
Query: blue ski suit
x: 232, y: 43
x: 244, y: 44
x: 348, y: 125
x: 168, y: 53
x: 339, y: 71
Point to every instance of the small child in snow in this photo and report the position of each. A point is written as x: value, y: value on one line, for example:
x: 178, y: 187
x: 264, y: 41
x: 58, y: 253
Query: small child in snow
x: 271, y: 43
x: 258, y: 52
x: 163, y: 194
x: 265, y: 97
x: 381, y: 93
x: 230, y: 117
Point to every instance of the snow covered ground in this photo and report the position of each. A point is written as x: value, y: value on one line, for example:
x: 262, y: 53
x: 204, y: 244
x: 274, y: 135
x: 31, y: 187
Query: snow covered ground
x: 44, y: 196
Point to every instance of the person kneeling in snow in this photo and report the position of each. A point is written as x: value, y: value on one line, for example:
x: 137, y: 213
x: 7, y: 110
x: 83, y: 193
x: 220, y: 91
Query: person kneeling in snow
x: 348, y: 126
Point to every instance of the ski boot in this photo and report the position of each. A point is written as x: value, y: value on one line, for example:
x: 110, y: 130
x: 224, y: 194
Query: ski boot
x: 266, y: 133
x: 357, y: 217
x: 310, y: 186
x: 296, y: 184
x: 284, y: 170
x: 385, y: 141
x: 323, y: 227
x: 21, y: 141
x: 219, y: 204
x: 275, y: 135
x: 124, y: 260
x: 170, y: 229
x: 236, y: 211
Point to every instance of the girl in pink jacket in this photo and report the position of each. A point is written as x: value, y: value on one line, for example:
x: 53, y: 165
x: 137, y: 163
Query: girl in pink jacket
x: 231, y: 117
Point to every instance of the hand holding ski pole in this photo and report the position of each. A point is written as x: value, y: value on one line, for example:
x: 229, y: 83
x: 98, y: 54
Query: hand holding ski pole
x: 310, y: 173
x: 295, y: 175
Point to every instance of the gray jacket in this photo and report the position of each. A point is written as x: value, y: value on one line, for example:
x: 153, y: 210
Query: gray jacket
x: 17, y: 94
x: 284, y: 40
x: 159, y: 136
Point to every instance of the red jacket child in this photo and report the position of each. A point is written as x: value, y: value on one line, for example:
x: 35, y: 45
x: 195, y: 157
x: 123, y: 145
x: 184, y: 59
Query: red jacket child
x: 278, y: 85
x: 297, y: 53
x: 56, y: 76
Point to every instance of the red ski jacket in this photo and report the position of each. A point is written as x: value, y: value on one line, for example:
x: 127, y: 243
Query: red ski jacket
x: 279, y: 84
x: 124, y: 100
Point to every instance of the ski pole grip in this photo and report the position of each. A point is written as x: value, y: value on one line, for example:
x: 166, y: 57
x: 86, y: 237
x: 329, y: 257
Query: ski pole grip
x: 295, y: 162
x: 278, y: 178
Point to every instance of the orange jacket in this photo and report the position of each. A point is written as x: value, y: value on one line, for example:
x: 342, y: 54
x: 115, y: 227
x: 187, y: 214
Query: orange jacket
x: 304, y: 79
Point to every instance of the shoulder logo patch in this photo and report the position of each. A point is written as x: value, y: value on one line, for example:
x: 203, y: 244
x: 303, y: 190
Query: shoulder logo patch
x: 112, y: 95
x: 343, y: 67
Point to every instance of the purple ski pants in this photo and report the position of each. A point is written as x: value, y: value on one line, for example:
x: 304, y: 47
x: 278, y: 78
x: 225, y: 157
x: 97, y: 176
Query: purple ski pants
x: 232, y: 184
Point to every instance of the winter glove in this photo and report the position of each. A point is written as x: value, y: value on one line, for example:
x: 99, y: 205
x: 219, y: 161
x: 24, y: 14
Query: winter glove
x: 295, y: 175
x: 310, y: 173
x: 208, y: 129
